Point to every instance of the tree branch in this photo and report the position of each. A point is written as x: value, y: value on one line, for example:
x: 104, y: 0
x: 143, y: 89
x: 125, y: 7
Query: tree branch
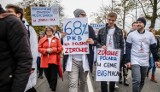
x: 142, y: 8
x: 152, y: 3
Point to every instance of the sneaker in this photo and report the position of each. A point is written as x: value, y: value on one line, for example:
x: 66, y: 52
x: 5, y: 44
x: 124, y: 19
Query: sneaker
x: 116, y: 86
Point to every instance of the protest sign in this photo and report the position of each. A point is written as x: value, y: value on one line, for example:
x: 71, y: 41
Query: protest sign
x: 77, y: 34
x: 108, y: 63
x: 42, y: 16
x: 97, y: 27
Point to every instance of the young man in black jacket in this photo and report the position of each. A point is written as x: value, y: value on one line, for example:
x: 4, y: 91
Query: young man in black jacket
x: 110, y: 37
x: 16, y: 57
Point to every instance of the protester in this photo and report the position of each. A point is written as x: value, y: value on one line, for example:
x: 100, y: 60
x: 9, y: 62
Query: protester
x: 138, y: 45
x: 16, y: 57
x: 110, y: 37
x: 16, y: 10
x: 134, y: 27
x: 57, y: 31
x: 151, y: 60
x: 78, y: 65
x: 123, y: 68
x: 50, y: 48
x: 40, y: 70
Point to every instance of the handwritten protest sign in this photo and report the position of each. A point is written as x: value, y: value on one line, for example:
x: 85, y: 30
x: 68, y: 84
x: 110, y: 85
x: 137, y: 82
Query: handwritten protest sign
x: 108, y: 63
x: 77, y: 34
x: 97, y: 27
x: 45, y: 16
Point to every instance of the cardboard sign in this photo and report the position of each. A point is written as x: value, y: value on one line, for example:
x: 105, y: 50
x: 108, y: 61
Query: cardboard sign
x: 97, y: 27
x: 77, y: 34
x: 108, y: 63
x: 42, y: 16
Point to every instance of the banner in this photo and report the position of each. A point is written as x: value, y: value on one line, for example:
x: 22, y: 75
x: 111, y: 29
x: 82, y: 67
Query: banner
x: 42, y: 16
x: 108, y: 63
x: 77, y: 34
x: 97, y: 27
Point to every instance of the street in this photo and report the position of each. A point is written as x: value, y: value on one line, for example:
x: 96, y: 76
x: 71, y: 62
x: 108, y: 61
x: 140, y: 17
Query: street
x: 62, y: 86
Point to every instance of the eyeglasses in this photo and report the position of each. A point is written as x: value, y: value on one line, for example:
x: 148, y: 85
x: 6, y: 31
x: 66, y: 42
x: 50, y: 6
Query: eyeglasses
x: 83, y: 14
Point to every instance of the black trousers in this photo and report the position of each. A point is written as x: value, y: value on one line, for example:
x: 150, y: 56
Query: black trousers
x: 31, y: 90
x: 51, y: 74
x: 104, y: 86
x: 123, y: 67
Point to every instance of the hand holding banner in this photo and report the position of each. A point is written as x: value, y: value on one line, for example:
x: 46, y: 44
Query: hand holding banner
x: 76, y: 30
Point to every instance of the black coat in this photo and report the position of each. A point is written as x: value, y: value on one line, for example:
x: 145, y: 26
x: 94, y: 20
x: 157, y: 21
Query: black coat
x: 15, y: 54
x: 117, y: 38
x: 89, y: 56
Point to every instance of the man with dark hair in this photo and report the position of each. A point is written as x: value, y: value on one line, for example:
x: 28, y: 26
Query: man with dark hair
x: 138, y: 46
x: 16, y: 57
x: 110, y: 37
x: 16, y: 10
x: 134, y: 27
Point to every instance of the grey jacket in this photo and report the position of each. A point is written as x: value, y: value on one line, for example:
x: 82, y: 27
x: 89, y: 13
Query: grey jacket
x: 118, y: 38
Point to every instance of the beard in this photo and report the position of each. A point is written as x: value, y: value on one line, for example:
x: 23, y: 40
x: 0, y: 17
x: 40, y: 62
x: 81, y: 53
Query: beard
x: 140, y: 28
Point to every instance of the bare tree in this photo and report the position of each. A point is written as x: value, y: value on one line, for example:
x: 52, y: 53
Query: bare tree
x: 122, y: 8
x: 150, y: 9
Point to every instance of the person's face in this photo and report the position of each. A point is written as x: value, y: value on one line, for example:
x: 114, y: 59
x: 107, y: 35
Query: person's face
x: 134, y: 26
x: 140, y: 25
x: 41, y: 35
x: 153, y: 31
x: 111, y: 21
x: 49, y: 32
x: 11, y: 10
x: 82, y: 15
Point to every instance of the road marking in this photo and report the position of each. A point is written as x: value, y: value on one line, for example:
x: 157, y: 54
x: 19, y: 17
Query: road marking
x: 89, y: 83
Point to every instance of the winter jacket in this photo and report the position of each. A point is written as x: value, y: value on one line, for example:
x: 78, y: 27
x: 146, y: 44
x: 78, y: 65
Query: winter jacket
x: 117, y: 38
x: 15, y: 54
x: 53, y: 58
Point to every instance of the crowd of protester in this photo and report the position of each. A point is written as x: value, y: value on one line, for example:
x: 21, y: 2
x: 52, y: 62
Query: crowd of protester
x: 24, y: 53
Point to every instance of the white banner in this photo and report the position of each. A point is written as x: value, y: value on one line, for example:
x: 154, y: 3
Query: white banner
x: 108, y: 63
x: 77, y: 34
x: 42, y: 16
x: 97, y: 27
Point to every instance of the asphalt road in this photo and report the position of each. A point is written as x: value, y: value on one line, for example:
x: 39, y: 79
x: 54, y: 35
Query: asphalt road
x: 42, y: 85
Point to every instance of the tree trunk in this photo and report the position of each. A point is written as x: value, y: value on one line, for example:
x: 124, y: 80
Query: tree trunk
x: 154, y: 14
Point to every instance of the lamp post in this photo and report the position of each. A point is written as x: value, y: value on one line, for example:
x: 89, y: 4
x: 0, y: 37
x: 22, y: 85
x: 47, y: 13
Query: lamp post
x: 136, y: 9
x: 124, y: 5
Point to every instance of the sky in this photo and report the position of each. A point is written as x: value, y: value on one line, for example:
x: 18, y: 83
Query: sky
x: 89, y: 6
x: 70, y: 5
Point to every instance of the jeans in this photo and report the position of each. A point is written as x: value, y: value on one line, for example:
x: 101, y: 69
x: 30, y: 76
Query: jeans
x: 138, y: 77
x: 77, y: 77
x: 38, y: 66
x: 152, y: 65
